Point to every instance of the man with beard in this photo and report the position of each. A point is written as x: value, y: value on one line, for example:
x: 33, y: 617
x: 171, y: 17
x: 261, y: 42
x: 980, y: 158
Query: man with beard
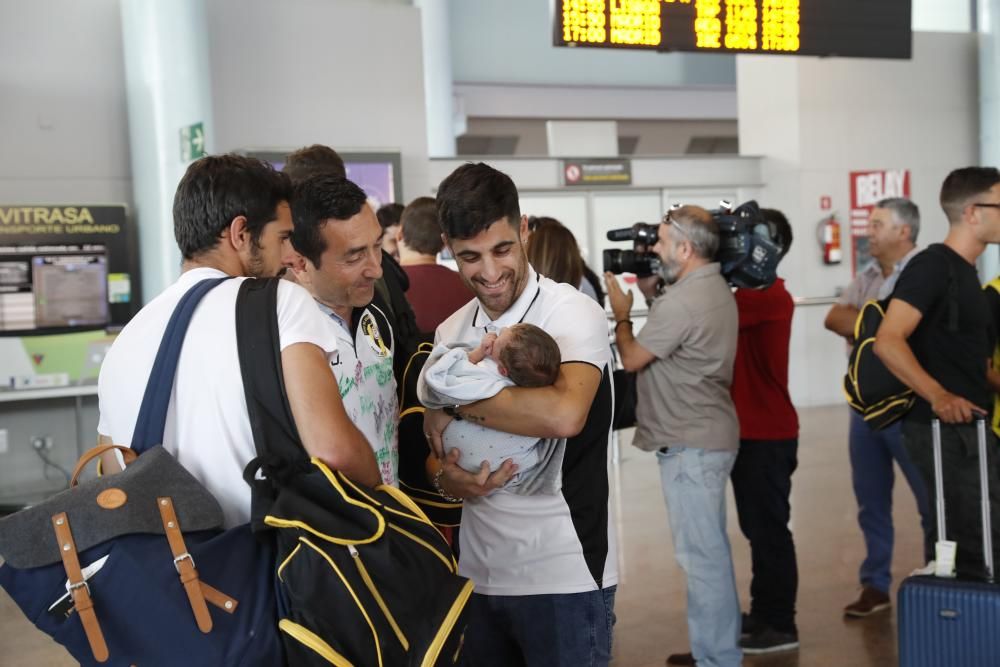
x: 684, y: 355
x: 544, y: 566
x: 339, y: 244
x: 231, y: 217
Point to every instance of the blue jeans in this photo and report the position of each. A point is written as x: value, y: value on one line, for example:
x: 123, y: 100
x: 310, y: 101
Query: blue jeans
x: 694, y: 486
x: 559, y: 630
x: 872, y: 454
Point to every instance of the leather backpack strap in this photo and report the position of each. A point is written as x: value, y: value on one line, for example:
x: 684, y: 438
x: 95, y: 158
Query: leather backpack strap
x: 78, y: 588
x: 184, y: 564
x: 214, y: 596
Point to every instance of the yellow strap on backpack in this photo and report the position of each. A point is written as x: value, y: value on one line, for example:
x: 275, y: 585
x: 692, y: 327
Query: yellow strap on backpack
x: 995, y: 285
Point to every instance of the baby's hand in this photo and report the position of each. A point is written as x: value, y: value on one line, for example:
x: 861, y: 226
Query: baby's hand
x: 486, y: 345
x: 484, y: 350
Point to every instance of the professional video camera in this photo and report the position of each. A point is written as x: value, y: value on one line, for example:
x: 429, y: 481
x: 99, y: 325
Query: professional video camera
x: 748, y: 250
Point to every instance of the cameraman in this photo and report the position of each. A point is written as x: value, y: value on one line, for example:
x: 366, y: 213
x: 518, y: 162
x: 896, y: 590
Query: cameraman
x: 684, y: 355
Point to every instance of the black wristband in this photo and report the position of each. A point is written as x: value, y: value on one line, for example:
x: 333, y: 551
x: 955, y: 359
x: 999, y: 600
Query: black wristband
x: 621, y: 322
x: 452, y: 411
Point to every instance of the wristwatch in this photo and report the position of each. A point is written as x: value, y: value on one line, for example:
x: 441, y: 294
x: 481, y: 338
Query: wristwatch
x: 452, y: 411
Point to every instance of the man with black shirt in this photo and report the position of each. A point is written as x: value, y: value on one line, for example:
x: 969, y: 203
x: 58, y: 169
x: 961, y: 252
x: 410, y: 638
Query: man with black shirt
x: 937, y: 338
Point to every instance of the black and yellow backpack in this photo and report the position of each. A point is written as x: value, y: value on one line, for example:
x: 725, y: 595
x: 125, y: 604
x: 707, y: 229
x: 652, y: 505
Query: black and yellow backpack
x: 414, y: 450
x: 871, y: 389
x: 363, y: 577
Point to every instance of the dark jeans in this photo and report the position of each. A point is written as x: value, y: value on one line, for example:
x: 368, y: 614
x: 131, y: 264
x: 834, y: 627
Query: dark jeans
x: 960, y: 463
x: 565, y: 630
x: 873, y: 476
x: 762, y: 484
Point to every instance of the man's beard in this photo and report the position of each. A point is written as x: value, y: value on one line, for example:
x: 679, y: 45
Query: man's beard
x: 670, y: 269
x: 256, y: 268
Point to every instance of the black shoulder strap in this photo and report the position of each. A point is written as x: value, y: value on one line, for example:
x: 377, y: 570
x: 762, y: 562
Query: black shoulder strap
x: 152, y: 418
x: 279, y: 449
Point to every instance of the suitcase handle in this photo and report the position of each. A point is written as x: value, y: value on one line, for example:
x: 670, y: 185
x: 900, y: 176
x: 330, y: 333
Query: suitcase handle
x: 984, y: 496
x: 984, y: 490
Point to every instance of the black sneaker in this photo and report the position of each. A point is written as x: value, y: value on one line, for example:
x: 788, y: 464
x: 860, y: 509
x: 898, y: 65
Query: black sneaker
x: 769, y: 640
x: 749, y: 625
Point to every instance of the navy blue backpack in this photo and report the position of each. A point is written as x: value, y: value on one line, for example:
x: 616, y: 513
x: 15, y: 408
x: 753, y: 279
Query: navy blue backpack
x: 175, y: 589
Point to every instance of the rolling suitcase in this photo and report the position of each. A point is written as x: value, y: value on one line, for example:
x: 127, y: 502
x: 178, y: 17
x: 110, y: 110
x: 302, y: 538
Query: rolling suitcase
x: 952, y: 622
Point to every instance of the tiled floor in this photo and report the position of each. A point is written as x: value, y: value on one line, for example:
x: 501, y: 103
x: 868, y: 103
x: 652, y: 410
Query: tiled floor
x: 650, y: 601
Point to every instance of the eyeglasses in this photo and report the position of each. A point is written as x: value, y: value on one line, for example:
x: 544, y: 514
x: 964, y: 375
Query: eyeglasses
x: 667, y: 220
x: 986, y: 205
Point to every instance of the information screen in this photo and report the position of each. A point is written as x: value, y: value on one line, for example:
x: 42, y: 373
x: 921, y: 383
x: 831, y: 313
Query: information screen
x: 854, y: 28
x: 53, y: 287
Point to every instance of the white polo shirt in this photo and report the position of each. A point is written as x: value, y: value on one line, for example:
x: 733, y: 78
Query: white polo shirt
x: 544, y: 544
x: 207, y: 429
x: 362, y: 364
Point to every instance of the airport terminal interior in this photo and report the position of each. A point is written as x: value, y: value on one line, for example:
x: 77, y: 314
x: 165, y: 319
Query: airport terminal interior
x: 603, y: 113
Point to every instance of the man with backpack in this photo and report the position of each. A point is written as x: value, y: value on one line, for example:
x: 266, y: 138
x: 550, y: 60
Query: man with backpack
x: 893, y: 226
x: 391, y: 287
x: 338, y: 244
x: 231, y: 218
x: 938, y: 338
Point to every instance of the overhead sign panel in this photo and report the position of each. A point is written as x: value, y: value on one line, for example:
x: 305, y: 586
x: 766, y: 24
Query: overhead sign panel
x: 853, y: 28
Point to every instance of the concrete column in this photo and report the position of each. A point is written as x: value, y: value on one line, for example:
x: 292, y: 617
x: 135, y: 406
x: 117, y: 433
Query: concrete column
x: 168, y: 88
x: 438, y: 94
x: 988, y: 19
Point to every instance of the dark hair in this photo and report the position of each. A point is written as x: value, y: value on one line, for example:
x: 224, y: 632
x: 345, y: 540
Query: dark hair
x: 781, y: 230
x: 553, y: 251
x: 313, y: 160
x: 219, y: 188
x: 531, y: 357
x: 962, y: 185
x: 473, y: 197
x: 536, y: 222
x: 389, y: 215
x: 316, y: 200
x: 421, y: 229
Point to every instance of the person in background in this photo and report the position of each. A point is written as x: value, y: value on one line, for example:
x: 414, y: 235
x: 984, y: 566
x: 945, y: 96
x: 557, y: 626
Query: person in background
x: 389, y: 216
x: 435, y: 290
x: 589, y: 284
x: 768, y: 455
x: 892, y: 231
x: 684, y: 356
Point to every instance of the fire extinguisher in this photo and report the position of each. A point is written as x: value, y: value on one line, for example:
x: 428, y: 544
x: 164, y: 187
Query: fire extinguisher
x: 828, y: 234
